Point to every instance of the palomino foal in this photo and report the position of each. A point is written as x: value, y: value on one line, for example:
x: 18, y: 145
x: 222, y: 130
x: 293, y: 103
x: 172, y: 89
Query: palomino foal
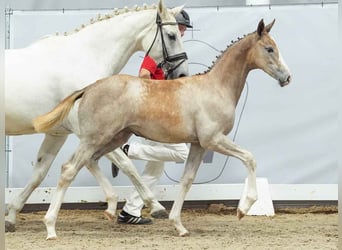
x: 198, y: 110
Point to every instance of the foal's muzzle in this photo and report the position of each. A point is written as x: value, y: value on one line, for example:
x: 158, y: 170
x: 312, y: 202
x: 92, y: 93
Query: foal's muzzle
x: 286, y: 82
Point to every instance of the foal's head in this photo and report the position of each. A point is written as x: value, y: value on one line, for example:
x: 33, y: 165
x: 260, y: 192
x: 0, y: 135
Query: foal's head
x: 266, y: 56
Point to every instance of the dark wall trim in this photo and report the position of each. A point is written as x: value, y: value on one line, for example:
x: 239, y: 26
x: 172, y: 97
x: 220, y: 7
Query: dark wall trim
x: 320, y: 206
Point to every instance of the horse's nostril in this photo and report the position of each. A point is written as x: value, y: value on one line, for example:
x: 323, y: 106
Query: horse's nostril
x: 182, y: 75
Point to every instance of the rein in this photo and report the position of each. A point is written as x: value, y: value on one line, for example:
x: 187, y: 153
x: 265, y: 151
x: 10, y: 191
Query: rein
x: 166, y: 64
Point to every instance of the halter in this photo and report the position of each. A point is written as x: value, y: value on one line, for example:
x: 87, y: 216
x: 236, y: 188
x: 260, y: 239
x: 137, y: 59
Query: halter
x: 166, y: 64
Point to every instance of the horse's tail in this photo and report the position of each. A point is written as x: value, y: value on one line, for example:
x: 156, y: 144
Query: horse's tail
x: 44, y: 122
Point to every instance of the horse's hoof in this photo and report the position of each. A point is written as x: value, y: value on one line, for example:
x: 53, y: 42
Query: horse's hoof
x: 240, y: 214
x: 9, y: 227
x: 161, y: 214
x: 51, y: 238
x: 184, y: 234
x: 108, y: 216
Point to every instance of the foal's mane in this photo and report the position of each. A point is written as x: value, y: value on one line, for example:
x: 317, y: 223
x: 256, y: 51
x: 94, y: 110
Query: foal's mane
x: 114, y: 13
x: 232, y: 42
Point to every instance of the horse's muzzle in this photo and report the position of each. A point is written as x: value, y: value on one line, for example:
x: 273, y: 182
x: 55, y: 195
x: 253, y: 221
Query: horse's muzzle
x: 286, y: 82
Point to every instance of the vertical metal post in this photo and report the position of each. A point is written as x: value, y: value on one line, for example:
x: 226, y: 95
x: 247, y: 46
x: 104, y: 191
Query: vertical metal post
x: 8, y: 14
x: 2, y: 129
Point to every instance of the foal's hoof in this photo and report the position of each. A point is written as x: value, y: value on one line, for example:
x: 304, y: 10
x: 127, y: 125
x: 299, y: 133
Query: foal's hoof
x: 240, y: 214
x: 108, y: 216
x: 161, y: 214
x: 9, y: 227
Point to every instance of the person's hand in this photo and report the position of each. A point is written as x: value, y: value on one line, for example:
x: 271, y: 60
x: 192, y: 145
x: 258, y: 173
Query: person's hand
x: 144, y: 73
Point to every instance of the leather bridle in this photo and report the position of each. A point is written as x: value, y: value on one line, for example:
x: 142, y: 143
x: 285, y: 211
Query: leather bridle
x: 167, y: 64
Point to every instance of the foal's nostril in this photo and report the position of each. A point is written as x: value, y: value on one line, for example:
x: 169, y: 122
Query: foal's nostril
x: 182, y: 75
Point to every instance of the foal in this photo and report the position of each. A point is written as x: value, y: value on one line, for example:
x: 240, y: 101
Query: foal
x: 198, y: 110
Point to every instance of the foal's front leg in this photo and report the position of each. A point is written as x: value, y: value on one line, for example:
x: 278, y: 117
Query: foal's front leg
x: 224, y: 145
x: 192, y: 164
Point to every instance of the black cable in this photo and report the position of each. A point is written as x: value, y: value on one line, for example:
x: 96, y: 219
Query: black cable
x: 200, y: 41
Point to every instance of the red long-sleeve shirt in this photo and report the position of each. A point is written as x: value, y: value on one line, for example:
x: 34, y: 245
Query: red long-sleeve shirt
x: 150, y: 64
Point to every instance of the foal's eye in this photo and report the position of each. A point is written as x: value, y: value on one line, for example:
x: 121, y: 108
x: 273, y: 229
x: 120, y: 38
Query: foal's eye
x: 269, y: 49
x: 172, y: 37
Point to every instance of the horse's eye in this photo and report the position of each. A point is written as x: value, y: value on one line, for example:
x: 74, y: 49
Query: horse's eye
x: 172, y: 37
x: 269, y: 49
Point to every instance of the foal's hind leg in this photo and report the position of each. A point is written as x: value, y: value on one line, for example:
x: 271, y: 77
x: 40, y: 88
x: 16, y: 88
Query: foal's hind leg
x: 47, y: 153
x: 69, y: 171
x: 111, y: 197
x: 125, y: 164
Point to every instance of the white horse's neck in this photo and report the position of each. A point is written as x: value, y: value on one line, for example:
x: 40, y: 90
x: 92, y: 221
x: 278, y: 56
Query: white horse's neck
x: 117, y: 38
x: 107, y: 44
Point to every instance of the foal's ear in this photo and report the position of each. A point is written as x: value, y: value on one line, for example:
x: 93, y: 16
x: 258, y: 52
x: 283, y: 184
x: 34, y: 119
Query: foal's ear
x: 261, y: 27
x: 269, y: 26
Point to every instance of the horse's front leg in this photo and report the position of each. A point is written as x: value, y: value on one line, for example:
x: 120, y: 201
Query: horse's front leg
x: 192, y: 164
x: 111, y: 196
x: 224, y: 145
x: 68, y: 174
x: 120, y: 159
x: 46, y: 155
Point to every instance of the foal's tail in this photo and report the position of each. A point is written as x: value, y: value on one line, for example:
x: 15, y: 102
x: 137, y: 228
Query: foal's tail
x: 44, y: 122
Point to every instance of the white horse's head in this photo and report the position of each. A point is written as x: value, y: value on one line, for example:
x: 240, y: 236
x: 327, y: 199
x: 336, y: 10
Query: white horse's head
x: 166, y: 38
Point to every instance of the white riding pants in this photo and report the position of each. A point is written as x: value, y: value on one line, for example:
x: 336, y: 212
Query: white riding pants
x: 155, y: 154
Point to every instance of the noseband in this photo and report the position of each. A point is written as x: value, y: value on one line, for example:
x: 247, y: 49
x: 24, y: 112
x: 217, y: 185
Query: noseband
x: 167, y: 63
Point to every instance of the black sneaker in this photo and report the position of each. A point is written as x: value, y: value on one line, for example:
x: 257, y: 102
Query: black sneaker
x: 115, y: 169
x: 126, y: 218
x: 125, y: 149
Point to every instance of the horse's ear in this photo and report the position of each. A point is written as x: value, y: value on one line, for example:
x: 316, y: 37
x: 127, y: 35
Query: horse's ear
x: 174, y: 11
x: 261, y: 27
x: 161, y: 8
x: 269, y: 26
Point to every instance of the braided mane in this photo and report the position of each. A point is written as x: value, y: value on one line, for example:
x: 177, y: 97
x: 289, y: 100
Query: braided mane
x: 114, y: 13
x: 232, y: 42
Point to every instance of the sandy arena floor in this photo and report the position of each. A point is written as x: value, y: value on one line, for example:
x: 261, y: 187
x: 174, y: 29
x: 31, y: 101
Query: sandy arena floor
x: 305, y: 228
